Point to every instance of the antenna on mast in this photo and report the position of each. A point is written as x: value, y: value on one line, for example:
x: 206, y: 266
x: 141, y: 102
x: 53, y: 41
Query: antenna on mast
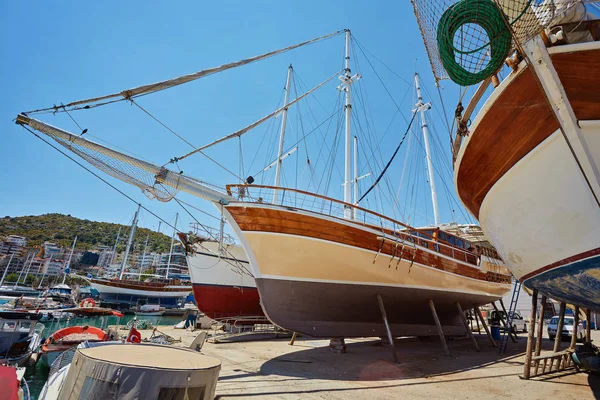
x: 421, y: 108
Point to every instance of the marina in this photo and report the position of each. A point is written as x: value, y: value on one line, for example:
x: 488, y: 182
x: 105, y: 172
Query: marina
x: 420, y: 222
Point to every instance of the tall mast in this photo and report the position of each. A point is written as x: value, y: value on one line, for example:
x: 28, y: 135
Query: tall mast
x: 144, y: 256
x: 348, y: 212
x: 172, y: 243
x: 45, y: 272
x: 24, y: 266
x: 422, y: 107
x: 67, y: 270
x: 129, y: 241
x: 114, y: 252
x: 6, y: 270
x: 355, y: 180
x: 282, y: 134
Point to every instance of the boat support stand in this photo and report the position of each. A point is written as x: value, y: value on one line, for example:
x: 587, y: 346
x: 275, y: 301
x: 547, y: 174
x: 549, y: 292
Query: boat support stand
x: 467, y: 327
x: 487, y: 329
x: 387, y: 328
x: 439, y: 327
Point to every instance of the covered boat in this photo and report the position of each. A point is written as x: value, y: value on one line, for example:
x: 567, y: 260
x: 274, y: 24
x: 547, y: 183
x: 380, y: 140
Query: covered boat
x: 136, y: 371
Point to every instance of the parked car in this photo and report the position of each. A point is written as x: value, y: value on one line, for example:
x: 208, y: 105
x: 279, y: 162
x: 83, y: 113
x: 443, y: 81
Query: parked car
x: 518, y: 323
x: 567, y: 330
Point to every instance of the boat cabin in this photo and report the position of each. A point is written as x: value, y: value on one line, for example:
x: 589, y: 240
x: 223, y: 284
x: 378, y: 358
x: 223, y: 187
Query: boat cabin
x: 16, y: 330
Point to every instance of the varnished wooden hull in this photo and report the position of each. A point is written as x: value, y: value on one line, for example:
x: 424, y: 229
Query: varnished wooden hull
x: 320, y: 276
x: 517, y: 175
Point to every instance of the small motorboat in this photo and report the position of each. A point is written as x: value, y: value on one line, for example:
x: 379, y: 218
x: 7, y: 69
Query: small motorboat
x: 13, y: 384
x: 20, y: 336
x: 66, y: 338
x: 150, y: 310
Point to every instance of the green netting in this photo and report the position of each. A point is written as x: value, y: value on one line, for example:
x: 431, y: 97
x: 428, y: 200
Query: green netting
x: 468, y: 40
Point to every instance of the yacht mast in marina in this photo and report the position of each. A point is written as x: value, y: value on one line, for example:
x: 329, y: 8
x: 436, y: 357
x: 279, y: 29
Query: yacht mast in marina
x: 171, y: 249
x: 284, y: 114
x: 129, y: 241
x: 421, y: 108
x: 67, y: 270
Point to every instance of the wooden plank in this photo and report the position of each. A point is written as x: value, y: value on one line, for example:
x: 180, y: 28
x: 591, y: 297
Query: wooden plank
x: 588, y: 325
x: 575, y: 331
x: 467, y: 328
x: 487, y: 330
x: 517, y: 121
x: 548, y: 356
x: 540, y: 332
x: 578, y: 71
x: 559, y: 328
x: 530, y: 338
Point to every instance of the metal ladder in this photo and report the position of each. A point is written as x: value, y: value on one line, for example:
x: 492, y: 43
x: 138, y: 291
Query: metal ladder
x: 512, y: 308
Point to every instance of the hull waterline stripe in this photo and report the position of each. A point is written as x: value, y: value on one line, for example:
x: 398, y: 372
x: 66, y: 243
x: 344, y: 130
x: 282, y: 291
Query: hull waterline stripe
x: 568, y: 260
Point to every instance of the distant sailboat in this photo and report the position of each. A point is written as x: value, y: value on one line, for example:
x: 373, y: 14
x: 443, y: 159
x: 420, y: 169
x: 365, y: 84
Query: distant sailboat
x: 129, y: 292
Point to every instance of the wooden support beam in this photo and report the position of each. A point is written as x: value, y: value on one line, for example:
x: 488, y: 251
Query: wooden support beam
x: 293, y: 339
x: 575, y: 332
x: 540, y: 333
x: 439, y: 327
x: 588, y: 325
x: 530, y: 337
x: 468, y: 329
x: 387, y: 328
x: 559, y: 328
x: 487, y: 330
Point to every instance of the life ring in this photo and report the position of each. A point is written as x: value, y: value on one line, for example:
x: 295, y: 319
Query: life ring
x: 89, y: 302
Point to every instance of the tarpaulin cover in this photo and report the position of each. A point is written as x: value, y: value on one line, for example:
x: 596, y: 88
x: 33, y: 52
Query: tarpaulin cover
x: 9, y: 385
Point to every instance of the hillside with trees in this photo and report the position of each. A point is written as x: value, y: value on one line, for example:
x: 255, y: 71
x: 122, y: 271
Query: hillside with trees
x: 61, y: 229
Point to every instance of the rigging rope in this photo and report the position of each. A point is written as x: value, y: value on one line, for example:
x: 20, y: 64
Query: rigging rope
x: 391, y: 159
x: 155, y: 87
x: 255, y: 124
x: 487, y: 15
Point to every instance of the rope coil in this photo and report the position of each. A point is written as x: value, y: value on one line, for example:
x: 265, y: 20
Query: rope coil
x: 485, y: 14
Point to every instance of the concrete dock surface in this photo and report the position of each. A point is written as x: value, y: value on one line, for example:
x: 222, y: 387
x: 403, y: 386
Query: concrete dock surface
x: 272, y: 369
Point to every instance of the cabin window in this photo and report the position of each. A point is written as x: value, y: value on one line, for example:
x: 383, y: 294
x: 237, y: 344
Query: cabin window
x: 193, y: 393
x: 459, y: 243
x: 96, y: 389
x: 24, y: 326
x: 9, y: 326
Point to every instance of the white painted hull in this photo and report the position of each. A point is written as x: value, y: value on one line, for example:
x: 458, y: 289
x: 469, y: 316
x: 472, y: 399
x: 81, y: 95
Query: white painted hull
x: 541, y: 214
x: 106, y: 289
x: 231, y: 269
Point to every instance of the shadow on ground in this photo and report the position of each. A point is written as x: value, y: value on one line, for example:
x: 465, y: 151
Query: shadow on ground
x: 369, y: 360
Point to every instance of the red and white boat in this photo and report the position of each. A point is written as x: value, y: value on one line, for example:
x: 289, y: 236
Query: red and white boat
x: 221, y: 277
x: 64, y: 339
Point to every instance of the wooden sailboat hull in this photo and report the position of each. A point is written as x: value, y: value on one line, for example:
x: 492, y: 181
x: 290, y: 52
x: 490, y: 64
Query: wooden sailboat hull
x: 516, y: 173
x: 132, y: 293
x: 320, y: 276
x: 223, y: 286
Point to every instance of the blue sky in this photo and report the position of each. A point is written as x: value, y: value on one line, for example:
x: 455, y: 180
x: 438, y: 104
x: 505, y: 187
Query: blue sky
x: 57, y: 52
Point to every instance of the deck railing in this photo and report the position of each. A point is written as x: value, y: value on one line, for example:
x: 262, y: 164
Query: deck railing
x: 391, y: 229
